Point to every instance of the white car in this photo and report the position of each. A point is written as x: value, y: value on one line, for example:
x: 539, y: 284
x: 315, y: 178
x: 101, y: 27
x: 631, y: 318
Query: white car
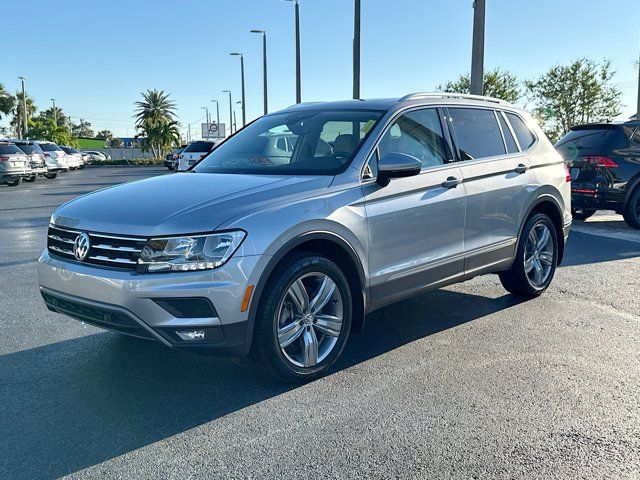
x: 194, y: 152
x: 94, y: 155
x: 55, y: 157
x: 14, y: 164
x: 75, y: 157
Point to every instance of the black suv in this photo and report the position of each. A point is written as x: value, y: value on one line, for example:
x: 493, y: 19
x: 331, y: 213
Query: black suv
x: 604, y: 160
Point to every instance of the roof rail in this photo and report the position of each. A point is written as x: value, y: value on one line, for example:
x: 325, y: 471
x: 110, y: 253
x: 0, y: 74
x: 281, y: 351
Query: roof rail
x: 420, y: 95
x: 304, y: 103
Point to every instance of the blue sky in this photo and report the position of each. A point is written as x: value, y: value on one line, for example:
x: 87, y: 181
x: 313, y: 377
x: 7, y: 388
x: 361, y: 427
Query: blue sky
x: 96, y: 57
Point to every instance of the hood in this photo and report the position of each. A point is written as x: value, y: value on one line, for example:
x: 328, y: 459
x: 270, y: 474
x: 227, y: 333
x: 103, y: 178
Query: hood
x: 181, y: 203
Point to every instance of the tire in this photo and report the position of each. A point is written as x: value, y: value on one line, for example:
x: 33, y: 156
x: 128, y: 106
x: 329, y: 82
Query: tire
x: 14, y: 182
x: 30, y: 179
x: 531, y: 283
x: 51, y: 176
x: 278, y: 310
x: 632, y: 210
x: 582, y: 214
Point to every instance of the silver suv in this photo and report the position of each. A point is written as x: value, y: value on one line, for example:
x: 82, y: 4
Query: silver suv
x: 280, y: 252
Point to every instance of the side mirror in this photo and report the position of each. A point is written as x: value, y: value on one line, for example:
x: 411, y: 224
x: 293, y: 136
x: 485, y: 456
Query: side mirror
x: 397, y: 165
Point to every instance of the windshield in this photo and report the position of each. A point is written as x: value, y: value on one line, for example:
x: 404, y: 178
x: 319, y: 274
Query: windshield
x: 9, y: 149
x: 588, y: 141
x: 69, y: 149
x: 29, y: 148
x: 319, y: 142
x: 199, y: 147
x: 50, y: 147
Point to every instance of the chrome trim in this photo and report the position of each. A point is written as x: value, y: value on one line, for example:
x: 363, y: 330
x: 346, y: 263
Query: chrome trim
x: 60, y: 239
x: 102, y: 258
x: 102, y: 246
x: 60, y: 250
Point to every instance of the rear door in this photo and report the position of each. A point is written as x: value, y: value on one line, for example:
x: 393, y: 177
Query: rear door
x: 498, y: 182
x: 415, y: 224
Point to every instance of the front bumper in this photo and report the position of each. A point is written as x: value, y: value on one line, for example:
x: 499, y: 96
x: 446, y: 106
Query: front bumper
x: 123, y: 300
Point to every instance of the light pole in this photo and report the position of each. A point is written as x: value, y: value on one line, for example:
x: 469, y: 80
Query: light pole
x: 24, y: 107
x: 356, y: 49
x: 264, y: 67
x: 230, y: 112
x: 244, y: 112
x: 55, y: 113
x: 477, y: 49
x: 297, y: 26
x: 217, y: 110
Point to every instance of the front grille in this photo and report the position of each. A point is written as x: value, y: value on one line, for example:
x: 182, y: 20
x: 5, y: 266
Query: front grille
x: 99, y: 316
x: 105, y: 250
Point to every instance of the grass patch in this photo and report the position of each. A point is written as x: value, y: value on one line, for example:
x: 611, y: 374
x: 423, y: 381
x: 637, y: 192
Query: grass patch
x: 91, y: 143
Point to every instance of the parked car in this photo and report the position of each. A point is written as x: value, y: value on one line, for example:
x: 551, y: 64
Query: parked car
x: 96, y: 156
x: 379, y: 200
x: 76, y: 160
x: 604, y: 160
x: 35, y: 157
x: 194, y: 152
x: 55, y: 158
x: 171, y: 159
x: 14, y: 164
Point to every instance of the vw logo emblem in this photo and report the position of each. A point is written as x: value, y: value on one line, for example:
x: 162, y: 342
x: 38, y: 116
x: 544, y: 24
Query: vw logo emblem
x: 81, y: 247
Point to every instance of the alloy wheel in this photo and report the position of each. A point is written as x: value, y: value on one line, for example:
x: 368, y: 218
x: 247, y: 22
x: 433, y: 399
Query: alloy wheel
x: 538, y: 255
x: 309, y: 319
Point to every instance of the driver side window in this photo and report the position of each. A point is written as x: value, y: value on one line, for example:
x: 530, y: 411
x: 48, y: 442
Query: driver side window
x: 417, y: 133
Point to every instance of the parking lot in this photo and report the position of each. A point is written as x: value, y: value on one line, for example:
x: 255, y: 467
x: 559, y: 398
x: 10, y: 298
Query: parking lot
x: 465, y: 382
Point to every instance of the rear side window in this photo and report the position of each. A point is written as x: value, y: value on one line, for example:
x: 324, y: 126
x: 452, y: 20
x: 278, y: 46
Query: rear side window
x: 525, y: 137
x: 508, y: 137
x: 9, y: 149
x: 476, y: 132
x: 419, y: 134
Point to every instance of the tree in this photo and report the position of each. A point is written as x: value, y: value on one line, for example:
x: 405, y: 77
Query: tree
x: 17, y: 121
x: 45, y: 128
x: 567, y: 95
x: 56, y: 114
x: 497, y: 83
x: 7, y: 101
x: 116, y: 143
x: 82, y: 129
x: 104, y: 135
x: 155, y: 122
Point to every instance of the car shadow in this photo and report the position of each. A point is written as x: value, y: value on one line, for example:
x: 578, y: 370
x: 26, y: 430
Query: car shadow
x: 583, y: 249
x: 80, y: 402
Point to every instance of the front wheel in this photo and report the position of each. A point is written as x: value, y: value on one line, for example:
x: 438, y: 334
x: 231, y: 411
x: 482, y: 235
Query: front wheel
x: 303, y: 318
x: 536, y: 258
x: 14, y: 182
x: 30, y: 179
x: 51, y: 176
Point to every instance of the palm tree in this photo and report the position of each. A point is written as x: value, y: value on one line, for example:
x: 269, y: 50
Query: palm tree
x: 155, y: 122
x: 7, y: 101
x: 17, y: 121
x: 155, y: 106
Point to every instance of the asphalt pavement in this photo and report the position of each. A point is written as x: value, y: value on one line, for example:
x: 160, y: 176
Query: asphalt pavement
x: 465, y: 382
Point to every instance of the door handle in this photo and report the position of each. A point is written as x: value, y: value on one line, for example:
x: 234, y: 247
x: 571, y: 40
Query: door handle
x: 521, y: 168
x: 451, y: 182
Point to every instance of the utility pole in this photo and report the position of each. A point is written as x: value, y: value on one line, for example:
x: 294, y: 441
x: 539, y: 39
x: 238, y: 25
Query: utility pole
x: 24, y: 108
x: 638, y: 106
x: 264, y: 68
x: 235, y: 128
x: 55, y: 112
x: 206, y: 110
x: 217, y: 111
x: 356, y: 50
x: 477, y: 49
x: 297, y: 27
x: 230, y: 112
x: 244, y: 112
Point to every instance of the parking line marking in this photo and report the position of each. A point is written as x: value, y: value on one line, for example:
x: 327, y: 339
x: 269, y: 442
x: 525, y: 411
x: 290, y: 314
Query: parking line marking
x: 604, y: 232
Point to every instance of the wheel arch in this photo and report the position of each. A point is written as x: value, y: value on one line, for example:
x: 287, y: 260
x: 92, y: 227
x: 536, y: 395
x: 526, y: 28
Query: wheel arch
x: 550, y: 206
x: 329, y: 245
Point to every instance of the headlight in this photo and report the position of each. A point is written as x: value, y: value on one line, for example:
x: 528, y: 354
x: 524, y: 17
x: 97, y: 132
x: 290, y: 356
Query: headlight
x: 197, y: 252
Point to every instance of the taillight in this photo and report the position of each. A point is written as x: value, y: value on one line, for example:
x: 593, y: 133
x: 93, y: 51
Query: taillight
x: 600, y: 161
x: 4, y: 159
x: 567, y: 172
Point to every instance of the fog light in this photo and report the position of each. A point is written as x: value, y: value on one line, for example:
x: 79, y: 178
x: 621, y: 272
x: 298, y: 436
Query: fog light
x: 190, y: 335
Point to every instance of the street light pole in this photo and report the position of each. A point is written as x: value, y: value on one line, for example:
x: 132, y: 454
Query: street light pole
x: 638, y: 106
x: 477, y: 49
x: 24, y: 108
x: 297, y: 26
x: 230, y: 112
x: 264, y: 68
x: 217, y: 111
x: 244, y: 111
x: 356, y: 50
x: 55, y: 113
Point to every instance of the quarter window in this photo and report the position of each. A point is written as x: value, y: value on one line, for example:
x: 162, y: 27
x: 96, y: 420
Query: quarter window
x: 476, y: 132
x: 417, y: 133
x: 508, y: 137
x: 523, y: 134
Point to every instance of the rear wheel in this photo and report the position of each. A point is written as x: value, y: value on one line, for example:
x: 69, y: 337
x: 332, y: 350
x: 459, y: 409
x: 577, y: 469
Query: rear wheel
x: 582, y: 214
x: 51, y: 175
x: 32, y: 178
x: 14, y: 182
x: 536, y: 258
x: 303, y: 318
x: 632, y: 211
